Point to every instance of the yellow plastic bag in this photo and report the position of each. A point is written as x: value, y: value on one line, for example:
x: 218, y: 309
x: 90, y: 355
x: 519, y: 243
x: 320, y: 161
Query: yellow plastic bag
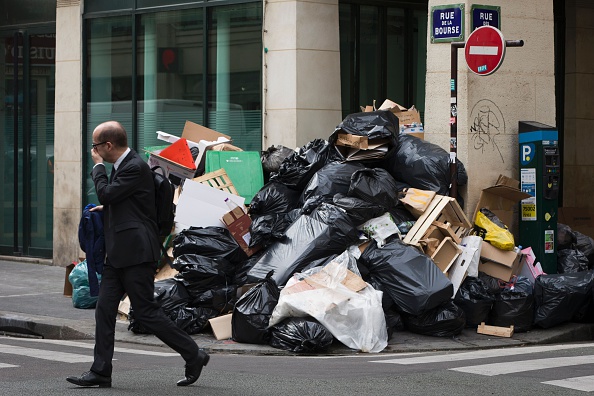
x: 499, y: 237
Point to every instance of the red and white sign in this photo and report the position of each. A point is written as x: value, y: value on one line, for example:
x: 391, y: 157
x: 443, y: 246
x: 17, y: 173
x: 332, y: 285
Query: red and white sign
x: 484, y: 50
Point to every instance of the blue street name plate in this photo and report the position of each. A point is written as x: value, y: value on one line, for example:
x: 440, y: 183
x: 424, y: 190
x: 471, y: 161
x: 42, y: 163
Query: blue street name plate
x: 483, y: 15
x: 447, y: 23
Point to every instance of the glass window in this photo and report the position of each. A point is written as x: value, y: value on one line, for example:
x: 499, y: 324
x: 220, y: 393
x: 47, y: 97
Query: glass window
x: 109, y: 80
x: 169, y: 73
x: 234, y: 73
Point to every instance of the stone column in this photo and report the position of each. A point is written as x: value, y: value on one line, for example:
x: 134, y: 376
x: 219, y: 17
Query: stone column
x: 301, y: 71
x: 68, y: 133
x: 489, y: 107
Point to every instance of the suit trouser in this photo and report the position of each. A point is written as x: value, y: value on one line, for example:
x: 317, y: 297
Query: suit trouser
x: 138, y: 282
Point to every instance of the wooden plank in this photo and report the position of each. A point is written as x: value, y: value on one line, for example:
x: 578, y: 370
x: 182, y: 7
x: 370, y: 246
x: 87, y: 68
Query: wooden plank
x: 217, y: 179
x: 495, y: 330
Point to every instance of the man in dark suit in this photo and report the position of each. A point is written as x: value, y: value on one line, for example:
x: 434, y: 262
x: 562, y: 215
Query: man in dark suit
x: 132, y: 246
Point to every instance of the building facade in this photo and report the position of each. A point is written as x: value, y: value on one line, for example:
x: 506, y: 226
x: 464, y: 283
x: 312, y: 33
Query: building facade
x: 266, y: 73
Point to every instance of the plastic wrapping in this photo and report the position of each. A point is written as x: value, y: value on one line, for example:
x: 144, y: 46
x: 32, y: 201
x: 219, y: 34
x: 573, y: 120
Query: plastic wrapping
x: 333, y: 178
x: 215, y: 242
x: 300, y: 335
x: 514, y: 305
x: 199, y: 273
x: 273, y: 198
x: 423, y: 165
x: 559, y: 297
x: 298, y: 168
x: 475, y: 300
x: 251, y: 315
x: 585, y: 244
x: 327, y: 230
x: 220, y: 298
x: 272, y: 158
x: 81, y: 292
x: 411, y: 278
x: 570, y: 261
x: 565, y: 237
x: 355, y: 318
x: 381, y: 124
x: 266, y: 229
x: 446, y: 320
x: 491, y: 229
x: 376, y: 186
x: 171, y: 294
x: 358, y: 210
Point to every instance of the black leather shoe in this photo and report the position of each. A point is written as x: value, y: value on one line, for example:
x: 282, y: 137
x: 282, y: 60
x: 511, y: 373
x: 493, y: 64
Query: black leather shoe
x: 91, y: 379
x: 194, y: 369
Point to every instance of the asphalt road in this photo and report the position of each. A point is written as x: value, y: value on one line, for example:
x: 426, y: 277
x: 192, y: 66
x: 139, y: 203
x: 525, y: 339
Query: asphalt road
x: 39, y: 367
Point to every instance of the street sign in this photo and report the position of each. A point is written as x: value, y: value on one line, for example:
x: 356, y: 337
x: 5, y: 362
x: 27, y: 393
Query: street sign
x: 447, y: 23
x: 484, y: 50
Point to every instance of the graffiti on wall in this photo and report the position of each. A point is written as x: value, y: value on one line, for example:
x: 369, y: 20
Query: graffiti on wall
x: 486, y: 123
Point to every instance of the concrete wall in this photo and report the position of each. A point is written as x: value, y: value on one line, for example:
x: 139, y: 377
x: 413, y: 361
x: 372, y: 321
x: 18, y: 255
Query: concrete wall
x: 301, y: 73
x: 578, y: 161
x: 489, y: 107
x: 68, y: 133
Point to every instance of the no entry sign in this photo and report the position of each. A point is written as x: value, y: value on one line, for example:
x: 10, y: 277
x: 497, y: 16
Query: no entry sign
x: 484, y: 50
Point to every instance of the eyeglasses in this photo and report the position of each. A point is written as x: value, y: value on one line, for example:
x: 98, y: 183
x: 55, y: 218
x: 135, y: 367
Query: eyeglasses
x: 94, y: 145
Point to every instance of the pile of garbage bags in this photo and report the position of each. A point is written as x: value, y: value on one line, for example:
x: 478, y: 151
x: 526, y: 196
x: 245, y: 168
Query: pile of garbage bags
x: 332, y: 265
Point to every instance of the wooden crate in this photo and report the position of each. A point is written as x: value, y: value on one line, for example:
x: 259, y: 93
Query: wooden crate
x: 217, y: 179
x: 442, y: 209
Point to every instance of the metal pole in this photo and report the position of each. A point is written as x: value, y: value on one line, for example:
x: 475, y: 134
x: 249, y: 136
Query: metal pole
x: 454, y: 111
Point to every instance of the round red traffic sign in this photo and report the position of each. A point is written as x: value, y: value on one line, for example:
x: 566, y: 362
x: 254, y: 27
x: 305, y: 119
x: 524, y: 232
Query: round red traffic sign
x: 484, y: 50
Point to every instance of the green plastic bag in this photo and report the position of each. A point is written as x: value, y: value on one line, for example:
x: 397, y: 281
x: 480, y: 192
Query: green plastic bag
x: 81, y: 292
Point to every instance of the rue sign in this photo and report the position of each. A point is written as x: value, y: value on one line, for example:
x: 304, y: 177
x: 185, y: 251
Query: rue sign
x: 484, y: 50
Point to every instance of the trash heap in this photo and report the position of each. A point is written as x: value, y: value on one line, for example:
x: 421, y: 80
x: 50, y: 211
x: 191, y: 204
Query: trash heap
x: 352, y: 239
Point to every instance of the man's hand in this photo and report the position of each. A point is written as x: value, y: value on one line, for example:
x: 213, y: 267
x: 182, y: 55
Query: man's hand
x: 98, y: 208
x: 97, y: 159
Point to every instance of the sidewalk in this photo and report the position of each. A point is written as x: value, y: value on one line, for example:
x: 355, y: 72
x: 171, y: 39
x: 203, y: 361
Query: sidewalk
x: 32, y: 301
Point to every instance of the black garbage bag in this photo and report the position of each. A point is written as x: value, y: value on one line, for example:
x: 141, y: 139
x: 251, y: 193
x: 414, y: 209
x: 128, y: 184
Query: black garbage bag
x: 199, y: 274
x: 272, y: 158
x: 559, y: 297
x: 375, y: 125
x: 192, y: 320
x: 570, y: 261
x: 358, y: 210
x: 514, y: 305
x: 376, y: 186
x: 423, y: 165
x: 446, y: 320
x: 474, y: 298
x: 215, y: 242
x: 493, y: 285
x: 220, y: 298
x: 300, y: 335
x: 297, y: 169
x: 327, y: 230
x: 332, y: 178
x: 251, y: 315
x: 408, y: 276
x: 241, y: 275
x: 266, y: 229
x: 273, y: 198
x: 585, y: 244
x: 171, y: 294
x: 394, y: 321
x: 565, y: 237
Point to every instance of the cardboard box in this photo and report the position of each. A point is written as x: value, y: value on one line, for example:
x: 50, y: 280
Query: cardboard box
x: 578, y: 219
x: 350, y: 140
x: 221, y: 327
x: 196, y: 136
x: 501, y: 199
x: 238, y: 223
x: 530, y: 268
x: 67, y: 284
x: 405, y: 116
x: 502, y: 264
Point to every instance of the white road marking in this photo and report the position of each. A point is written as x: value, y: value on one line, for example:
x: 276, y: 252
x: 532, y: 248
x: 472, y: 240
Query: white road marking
x: 585, y: 384
x: 30, y: 294
x: 6, y: 365
x: 482, y: 354
x: 91, y: 346
x: 525, y: 365
x: 483, y: 50
x: 46, y: 355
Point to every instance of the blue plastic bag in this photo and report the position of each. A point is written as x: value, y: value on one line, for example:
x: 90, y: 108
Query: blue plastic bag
x: 81, y: 293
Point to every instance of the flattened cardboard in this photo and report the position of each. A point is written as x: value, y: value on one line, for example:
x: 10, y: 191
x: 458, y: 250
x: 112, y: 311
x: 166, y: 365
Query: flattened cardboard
x: 67, y: 284
x: 502, y: 264
x: 221, y: 326
x: 501, y: 199
x: 350, y: 140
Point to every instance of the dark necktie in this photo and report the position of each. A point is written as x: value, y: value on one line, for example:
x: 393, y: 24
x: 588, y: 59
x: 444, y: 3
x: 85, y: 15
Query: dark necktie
x: 113, y: 171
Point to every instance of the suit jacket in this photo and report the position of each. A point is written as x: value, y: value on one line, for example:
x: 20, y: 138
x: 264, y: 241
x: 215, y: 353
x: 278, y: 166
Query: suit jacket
x: 130, y: 212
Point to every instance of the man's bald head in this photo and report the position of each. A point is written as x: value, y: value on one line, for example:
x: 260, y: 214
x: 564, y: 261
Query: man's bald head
x: 114, y: 132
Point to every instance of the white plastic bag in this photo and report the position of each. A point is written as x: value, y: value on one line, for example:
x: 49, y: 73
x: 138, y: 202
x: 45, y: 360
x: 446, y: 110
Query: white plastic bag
x: 355, y: 318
